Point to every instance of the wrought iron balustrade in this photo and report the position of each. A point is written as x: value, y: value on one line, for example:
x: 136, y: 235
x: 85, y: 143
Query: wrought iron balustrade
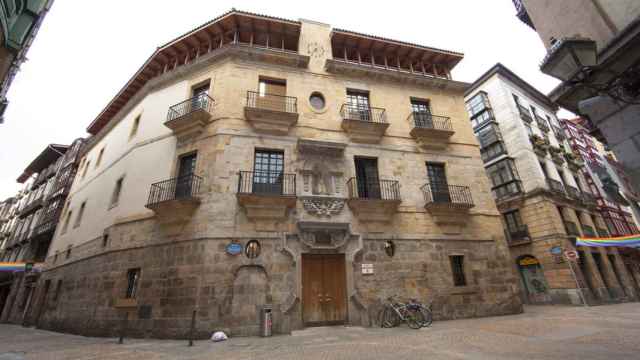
x: 425, y: 120
x: 272, y: 102
x: 182, y: 187
x: 555, y: 186
x: 273, y: 183
x: 447, y: 194
x: 375, y: 190
x: 363, y: 113
x: 198, y: 102
x: 518, y: 235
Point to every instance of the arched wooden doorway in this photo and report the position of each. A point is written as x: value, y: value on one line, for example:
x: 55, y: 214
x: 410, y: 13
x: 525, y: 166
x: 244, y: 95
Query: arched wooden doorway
x: 533, y: 280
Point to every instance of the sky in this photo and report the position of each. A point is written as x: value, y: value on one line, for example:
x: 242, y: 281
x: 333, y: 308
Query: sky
x: 87, y: 50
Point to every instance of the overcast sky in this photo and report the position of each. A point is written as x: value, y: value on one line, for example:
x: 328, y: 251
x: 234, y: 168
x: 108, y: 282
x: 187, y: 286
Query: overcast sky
x: 87, y: 50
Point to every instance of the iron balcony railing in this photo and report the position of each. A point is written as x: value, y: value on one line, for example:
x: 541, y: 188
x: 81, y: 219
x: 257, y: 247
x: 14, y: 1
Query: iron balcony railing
x: 571, y: 228
x: 198, y: 102
x: 425, y: 120
x: 272, y: 183
x: 272, y: 102
x: 588, y: 231
x: 602, y: 232
x: 374, y: 190
x: 363, y: 113
x: 555, y: 186
x: 447, y: 194
x: 525, y: 114
x: 183, y: 187
x: 573, y: 192
x: 542, y: 123
x: 518, y: 235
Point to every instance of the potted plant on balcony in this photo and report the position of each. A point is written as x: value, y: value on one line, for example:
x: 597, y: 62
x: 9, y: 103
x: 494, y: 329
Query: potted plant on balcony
x: 574, y: 160
x: 556, y: 154
x: 540, y: 145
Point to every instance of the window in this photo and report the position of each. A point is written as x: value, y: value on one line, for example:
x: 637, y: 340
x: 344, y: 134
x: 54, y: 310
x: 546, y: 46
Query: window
x: 479, y: 109
x: 133, y: 278
x: 389, y: 248
x: 527, y: 127
x: 513, y: 220
x: 67, y: 221
x: 268, y: 171
x: 492, y: 151
x: 55, y: 256
x: 504, y: 178
x: 68, y: 255
x: 99, y: 160
x: 317, y: 100
x: 80, y: 213
x: 105, y: 240
x: 135, y: 126
x: 115, y: 196
x: 457, y: 269
x: 86, y: 167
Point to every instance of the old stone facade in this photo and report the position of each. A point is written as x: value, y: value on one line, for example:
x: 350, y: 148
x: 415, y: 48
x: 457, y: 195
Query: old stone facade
x: 543, y: 196
x: 302, y: 176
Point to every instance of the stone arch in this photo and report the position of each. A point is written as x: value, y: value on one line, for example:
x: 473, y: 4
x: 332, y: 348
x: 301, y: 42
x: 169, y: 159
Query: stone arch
x: 534, y: 283
x: 250, y: 294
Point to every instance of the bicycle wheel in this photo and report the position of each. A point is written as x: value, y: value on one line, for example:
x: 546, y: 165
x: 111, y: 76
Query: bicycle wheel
x: 415, y: 319
x: 427, y: 316
x: 390, y: 318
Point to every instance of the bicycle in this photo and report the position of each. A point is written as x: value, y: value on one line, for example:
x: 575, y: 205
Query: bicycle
x: 395, y: 312
x: 427, y: 314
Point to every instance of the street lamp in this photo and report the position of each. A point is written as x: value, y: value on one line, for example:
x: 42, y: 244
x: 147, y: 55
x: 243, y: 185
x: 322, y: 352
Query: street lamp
x: 574, y: 60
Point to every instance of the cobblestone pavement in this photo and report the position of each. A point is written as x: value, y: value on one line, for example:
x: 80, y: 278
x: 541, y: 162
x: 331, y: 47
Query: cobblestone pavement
x: 542, y: 332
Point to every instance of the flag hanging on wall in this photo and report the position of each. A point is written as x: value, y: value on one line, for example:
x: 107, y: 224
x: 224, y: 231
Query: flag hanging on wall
x: 623, y: 241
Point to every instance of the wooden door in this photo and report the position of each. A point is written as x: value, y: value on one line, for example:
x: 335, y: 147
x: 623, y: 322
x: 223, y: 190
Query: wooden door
x: 438, y: 183
x: 324, y: 300
x: 367, y: 178
x: 186, y: 169
x: 272, y: 95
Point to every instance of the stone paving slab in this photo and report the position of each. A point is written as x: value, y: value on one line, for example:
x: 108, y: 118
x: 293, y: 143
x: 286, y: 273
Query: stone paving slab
x: 542, y: 332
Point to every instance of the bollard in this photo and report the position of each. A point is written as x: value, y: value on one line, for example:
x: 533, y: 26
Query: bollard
x: 123, y: 329
x: 193, y: 327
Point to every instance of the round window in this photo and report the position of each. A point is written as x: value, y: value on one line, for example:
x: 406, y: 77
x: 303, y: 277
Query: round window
x: 390, y: 248
x: 317, y: 101
x: 252, y: 249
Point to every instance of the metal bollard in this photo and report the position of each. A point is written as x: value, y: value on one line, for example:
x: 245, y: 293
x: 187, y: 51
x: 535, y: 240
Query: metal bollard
x: 266, y: 321
x: 193, y: 327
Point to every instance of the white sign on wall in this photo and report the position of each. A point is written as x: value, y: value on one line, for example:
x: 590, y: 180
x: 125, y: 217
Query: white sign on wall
x: 367, y: 268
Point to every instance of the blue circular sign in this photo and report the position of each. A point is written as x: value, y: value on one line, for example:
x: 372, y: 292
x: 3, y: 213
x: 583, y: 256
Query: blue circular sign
x: 234, y: 249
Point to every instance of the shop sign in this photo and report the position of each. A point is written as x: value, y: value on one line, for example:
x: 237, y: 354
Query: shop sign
x: 367, y: 269
x: 234, y: 249
x: 528, y: 260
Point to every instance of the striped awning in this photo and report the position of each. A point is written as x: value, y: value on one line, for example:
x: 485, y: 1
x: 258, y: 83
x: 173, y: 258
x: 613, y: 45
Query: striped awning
x: 632, y: 241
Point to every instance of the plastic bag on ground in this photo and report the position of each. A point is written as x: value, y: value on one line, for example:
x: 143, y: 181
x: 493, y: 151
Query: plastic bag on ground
x: 219, y: 336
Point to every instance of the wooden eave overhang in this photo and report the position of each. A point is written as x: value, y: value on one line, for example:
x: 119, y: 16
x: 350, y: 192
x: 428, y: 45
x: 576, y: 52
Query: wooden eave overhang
x: 48, y: 156
x: 233, y: 27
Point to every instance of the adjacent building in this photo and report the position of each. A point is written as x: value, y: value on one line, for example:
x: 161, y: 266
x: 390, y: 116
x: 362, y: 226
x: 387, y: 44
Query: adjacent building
x: 594, y: 48
x: 19, y: 24
x: 33, y: 217
x: 263, y: 164
x: 542, y: 194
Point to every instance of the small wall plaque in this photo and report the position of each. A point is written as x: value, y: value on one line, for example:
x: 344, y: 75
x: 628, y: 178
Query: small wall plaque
x: 234, y: 249
x: 367, y: 269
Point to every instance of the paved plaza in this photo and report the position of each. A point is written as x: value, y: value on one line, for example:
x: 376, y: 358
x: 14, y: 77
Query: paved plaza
x: 542, y: 332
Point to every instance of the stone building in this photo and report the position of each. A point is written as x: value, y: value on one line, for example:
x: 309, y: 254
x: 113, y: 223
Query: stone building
x: 594, y: 49
x: 257, y: 162
x: 35, y: 215
x: 19, y: 24
x: 542, y: 194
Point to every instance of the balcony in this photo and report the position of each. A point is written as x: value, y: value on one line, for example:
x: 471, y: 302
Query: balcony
x: 540, y: 145
x: 556, y: 186
x: 573, y: 192
x: 373, y: 201
x: 364, y: 124
x: 33, y: 204
x: 431, y: 131
x: 556, y: 155
x: 518, y: 236
x: 175, y: 199
x: 190, y: 117
x: 602, y: 232
x: 542, y: 124
x: 574, y: 161
x: 525, y: 114
x: 571, y: 228
x: 589, y: 199
x: 448, y: 204
x: 508, y: 189
x: 559, y: 133
x: 266, y: 195
x: 588, y: 231
x: 269, y: 113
